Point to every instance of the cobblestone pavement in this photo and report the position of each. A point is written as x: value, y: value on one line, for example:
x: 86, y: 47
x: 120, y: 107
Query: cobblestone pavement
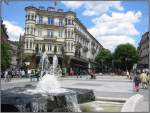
x: 104, y: 86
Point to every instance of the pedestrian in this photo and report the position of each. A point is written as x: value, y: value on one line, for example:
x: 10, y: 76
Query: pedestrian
x: 23, y: 73
x: 136, y: 82
x: 9, y: 75
x: 127, y: 74
x: 144, y: 80
x: 148, y: 75
x: 6, y: 75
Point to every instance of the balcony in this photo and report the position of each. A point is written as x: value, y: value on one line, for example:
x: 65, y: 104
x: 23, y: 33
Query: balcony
x: 85, y: 49
x: 78, y: 45
x: 50, y: 37
x: 78, y: 32
x: 45, y: 24
x: 93, y: 50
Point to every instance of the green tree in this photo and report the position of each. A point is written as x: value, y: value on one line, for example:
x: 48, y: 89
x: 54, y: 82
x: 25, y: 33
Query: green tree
x: 104, y: 59
x: 104, y: 55
x: 5, y: 56
x: 126, y: 55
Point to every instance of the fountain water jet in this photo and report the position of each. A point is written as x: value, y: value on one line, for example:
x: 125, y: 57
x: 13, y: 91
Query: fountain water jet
x: 49, y: 82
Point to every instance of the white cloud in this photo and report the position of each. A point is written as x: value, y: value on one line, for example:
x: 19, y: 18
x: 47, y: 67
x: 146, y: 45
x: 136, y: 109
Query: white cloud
x: 73, y: 4
x: 13, y: 30
x: 117, y: 28
x: 94, y: 8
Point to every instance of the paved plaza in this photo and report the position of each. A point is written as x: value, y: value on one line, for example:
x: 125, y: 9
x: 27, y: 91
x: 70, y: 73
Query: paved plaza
x: 103, y: 86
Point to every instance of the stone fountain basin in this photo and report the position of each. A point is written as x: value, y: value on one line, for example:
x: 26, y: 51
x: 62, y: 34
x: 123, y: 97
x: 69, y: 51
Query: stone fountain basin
x: 101, y: 106
x: 16, y: 100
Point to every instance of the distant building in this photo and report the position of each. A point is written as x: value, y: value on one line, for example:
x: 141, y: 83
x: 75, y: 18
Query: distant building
x: 13, y: 46
x: 20, y: 51
x: 62, y: 32
x: 144, y: 50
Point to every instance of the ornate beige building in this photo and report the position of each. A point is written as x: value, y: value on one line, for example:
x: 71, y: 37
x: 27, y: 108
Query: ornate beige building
x: 144, y: 50
x: 55, y: 30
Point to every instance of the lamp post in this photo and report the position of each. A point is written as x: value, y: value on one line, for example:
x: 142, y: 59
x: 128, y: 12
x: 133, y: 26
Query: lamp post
x: 102, y: 64
x: 126, y: 59
x: 112, y: 65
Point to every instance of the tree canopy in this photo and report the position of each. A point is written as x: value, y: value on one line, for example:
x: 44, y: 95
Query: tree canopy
x: 126, y: 55
x: 5, y: 56
x: 103, y: 55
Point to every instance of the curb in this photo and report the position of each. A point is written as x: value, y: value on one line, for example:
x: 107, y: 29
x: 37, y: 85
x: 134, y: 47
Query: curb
x: 121, y: 100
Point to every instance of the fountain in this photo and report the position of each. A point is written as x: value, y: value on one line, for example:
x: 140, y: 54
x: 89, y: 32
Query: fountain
x: 49, y: 74
x: 47, y: 95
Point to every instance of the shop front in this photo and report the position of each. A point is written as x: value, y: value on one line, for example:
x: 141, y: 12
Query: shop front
x: 78, y: 67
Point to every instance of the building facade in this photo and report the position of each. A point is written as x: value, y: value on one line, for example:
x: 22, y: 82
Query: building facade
x: 144, y: 50
x: 56, y: 31
x: 4, y: 35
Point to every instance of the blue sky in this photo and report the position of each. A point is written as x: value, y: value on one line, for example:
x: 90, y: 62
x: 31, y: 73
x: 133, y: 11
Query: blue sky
x: 124, y: 21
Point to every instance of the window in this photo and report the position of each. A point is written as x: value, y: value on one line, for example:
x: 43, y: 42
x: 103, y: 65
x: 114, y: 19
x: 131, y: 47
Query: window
x: 66, y: 21
x: 50, y: 20
x: 27, y: 30
x: 50, y: 33
x: 40, y: 19
x: 30, y: 44
x: 60, y: 21
x: 32, y: 30
x: 69, y: 21
x: 32, y: 17
x: 26, y: 44
x: 72, y: 21
x: 69, y: 34
x: 39, y: 32
x: 50, y: 47
x: 60, y: 33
